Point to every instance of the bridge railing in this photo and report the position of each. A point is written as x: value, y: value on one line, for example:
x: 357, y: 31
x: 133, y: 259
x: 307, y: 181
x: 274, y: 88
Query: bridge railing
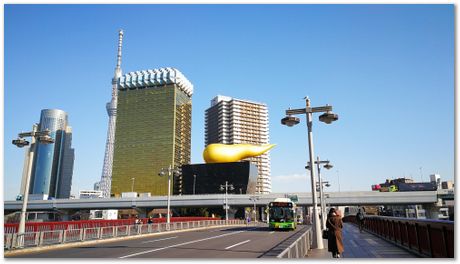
x: 300, y: 247
x: 54, y: 237
x: 65, y: 225
x: 424, y: 237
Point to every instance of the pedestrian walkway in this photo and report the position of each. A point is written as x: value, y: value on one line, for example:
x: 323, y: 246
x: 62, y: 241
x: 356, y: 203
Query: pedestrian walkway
x: 362, y: 245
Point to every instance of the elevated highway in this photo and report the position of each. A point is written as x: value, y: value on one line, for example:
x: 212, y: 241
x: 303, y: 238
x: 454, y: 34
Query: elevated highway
x: 234, y: 200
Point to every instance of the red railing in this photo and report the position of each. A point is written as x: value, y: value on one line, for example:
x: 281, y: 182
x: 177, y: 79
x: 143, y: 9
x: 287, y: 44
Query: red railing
x: 426, y: 238
x: 69, y: 225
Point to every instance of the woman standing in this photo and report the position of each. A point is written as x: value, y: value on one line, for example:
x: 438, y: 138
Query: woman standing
x: 334, y: 241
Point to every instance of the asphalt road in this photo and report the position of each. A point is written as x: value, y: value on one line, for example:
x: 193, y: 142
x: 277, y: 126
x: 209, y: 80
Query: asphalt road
x: 221, y: 242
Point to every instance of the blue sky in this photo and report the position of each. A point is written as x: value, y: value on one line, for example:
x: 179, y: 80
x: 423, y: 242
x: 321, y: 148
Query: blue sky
x: 387, y: 70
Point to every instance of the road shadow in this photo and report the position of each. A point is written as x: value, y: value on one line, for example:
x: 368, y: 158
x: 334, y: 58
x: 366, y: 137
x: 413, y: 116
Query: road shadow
x: 102, y: 247
x: 278, y: 249
x: 246, y: 228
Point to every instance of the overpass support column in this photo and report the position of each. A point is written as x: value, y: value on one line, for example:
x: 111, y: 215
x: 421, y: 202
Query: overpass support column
x: 432, y: 210
x: 142, y: 212
x: 66, y: 214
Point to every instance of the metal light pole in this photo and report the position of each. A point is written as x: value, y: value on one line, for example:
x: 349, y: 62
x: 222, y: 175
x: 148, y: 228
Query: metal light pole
x: 170, y: 172
x: 328, y: 117
x: 226, y: 186
x: 320, y: 187
x: 338, y: 179
x: 44, y: 138
x: 421, y: 174
x: 320, y: 181
x: 254, y: 199
x: 323, y: 202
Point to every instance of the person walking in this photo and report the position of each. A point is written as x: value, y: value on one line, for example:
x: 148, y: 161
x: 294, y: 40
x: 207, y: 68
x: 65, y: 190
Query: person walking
x: 334, y: 225
x: 360, y: 219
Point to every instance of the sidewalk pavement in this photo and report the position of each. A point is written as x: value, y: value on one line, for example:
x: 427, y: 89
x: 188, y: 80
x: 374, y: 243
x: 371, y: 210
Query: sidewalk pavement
x: 362, y: 245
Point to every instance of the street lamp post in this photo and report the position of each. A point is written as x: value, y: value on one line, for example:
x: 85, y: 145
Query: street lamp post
x: 338, y: 179
x: 226, y: 187
x: 254, y: 199
x: 170, y: 171
x: 328, y: 117
x: 320, y: 187
x: 323, y: 202
x: 44, y: 138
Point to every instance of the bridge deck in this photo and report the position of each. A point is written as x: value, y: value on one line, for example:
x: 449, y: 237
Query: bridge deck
x: 363, y: 245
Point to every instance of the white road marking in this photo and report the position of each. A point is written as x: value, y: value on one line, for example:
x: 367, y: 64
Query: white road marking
x: 241, y: 243
x: 158, y: 240
x: 185, y: 243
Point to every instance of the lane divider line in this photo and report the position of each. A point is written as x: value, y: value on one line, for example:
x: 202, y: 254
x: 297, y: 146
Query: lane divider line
x: 158, y: 240
x: 241, y: 243
x: 183, y: 244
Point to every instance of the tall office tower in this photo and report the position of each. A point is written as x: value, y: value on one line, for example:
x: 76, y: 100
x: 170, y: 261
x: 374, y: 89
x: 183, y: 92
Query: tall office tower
x: 106, y: 178
x: 235, y: 121
x: 53, y: 163
x: 68, y: 157
x: 153, y: 130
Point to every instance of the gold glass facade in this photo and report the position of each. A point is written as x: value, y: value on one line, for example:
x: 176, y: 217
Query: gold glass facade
x: 153, y: 130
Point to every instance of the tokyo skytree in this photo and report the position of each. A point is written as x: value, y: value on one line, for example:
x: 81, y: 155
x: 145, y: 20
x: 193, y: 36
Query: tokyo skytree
x: 106, y: 179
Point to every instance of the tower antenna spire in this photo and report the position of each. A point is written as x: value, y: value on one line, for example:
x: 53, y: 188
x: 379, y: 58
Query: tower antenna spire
x: 106, y: 178
x: 120, y: 44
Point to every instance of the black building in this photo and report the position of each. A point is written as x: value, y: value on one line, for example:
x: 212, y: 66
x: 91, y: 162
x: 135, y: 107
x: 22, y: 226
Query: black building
x: 207, y: 178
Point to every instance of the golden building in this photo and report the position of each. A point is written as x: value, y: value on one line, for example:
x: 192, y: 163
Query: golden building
x: 153, y: 130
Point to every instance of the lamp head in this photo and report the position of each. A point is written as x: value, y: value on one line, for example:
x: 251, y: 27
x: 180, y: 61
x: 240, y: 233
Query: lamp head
x: 290, y: 121
x: 328, y: 117
x: 45, y: 139
x: 328, y: 185
x: 20, y: 142
x: 328, y: 166
x: 161, y: 173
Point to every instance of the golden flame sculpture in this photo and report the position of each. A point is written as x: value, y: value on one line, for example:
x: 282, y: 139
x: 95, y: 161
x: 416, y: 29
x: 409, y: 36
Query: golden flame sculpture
x: 219, y: 153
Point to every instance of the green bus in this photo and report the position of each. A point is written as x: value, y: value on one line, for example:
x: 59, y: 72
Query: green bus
x: 281, y: 214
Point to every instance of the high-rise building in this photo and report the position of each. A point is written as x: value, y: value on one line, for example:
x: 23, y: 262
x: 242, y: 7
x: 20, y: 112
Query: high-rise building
x: 68, y: 157
x: 436, y: 178
x: 153, y: 130
x: 53, y: 163
x: 97, y: 187
x: 106, y: 178
x: 235, y: 121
